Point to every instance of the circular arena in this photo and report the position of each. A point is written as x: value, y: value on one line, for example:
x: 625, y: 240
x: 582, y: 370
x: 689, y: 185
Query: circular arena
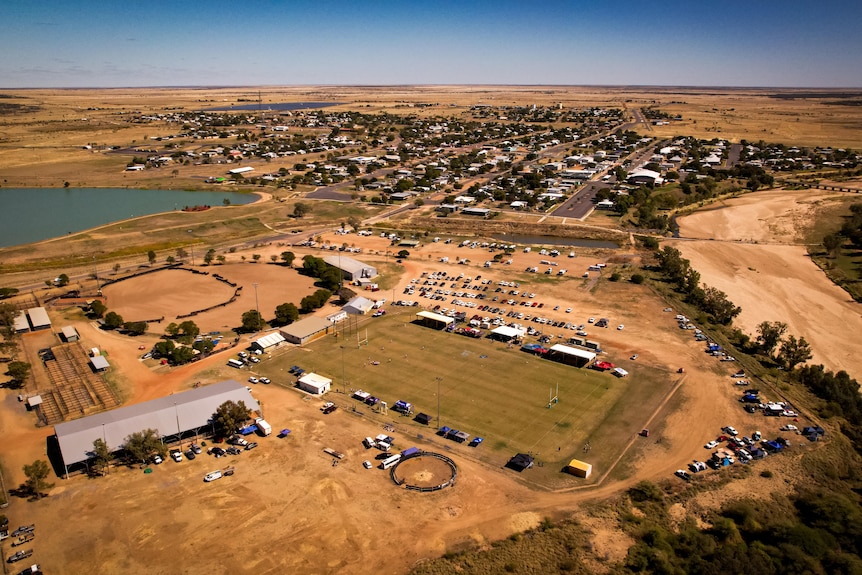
x: 425, y: 471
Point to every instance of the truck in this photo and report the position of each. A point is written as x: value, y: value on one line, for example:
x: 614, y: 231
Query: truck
x: 390, y: 461
x: 19, y: 555
x: 264, y: 427
x: 34, y: 569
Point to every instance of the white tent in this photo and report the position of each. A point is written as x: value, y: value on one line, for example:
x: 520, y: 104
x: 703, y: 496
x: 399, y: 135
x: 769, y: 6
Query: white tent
x: 506, y: 332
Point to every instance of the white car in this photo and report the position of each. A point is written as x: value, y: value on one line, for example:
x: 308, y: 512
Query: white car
x: 157, y: 459
x: 634, y: 357
x: 177, y: 456
x: 591, y: 320
x: 265, y: 380
x: 327, y: 405
x: 620, y: 327
x: 569, y: 310
x: 212, y: 476
x: 253, y: 379
x: 789, y: 427
x: 711, y: 444
x: 367, y: 464
x: 731, y: 430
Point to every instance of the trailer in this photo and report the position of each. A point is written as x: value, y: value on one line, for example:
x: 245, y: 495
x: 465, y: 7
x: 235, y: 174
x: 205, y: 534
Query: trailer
x: 264, y: 427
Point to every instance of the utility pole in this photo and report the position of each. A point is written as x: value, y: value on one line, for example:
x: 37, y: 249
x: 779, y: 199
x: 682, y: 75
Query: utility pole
x: 439, y: 379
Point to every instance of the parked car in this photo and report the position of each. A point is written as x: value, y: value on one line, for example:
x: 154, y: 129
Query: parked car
x: 196, y: 448
x: 330, y: 409
x: 789, y: 427
x: 190, y: 455
x: 682, y: 474
x: 265, y: 380
x: 711, y: 444
x: 176, y: 455
x: 251, y: 445
x: 157, y: 459
x: 634, y: 357
x: 254, y: 359
x: 367, y: 464
x: 217, y: 452
x: 730, y: 430
x: 253, y: 379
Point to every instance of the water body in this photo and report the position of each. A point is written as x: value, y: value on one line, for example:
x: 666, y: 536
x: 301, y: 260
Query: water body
x: 554, y: 241
x: 278, y: 107
x: 35, y: 214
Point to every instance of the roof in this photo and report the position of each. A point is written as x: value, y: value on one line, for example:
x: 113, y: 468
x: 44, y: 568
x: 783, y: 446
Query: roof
x: 578, y: 464
x: 187, y: 410
x: 21, y: 322
x: 306, y: 327
x: 574, y: 351
x: 241, y: 170
x: 38, y: 317
x: 360, y: 303
x: 269, y: 340
x: 315, y: 380
x: 507, y: 331
x: 70, y: 332
x: 99, y: 362
x: 348, y: 264
x: 435, y: 316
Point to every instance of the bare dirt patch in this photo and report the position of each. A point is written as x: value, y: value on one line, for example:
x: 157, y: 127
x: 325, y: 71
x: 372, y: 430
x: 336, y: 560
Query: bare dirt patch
x: 774, y: 279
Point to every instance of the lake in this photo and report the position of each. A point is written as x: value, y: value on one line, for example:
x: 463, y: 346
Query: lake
x: 35, y: 214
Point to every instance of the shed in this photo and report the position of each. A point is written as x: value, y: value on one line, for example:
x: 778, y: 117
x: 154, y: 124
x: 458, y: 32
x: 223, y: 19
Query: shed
x: 38, y: 318
x: 242, y: 170
x: 435, y: 320
x: 99, y: 363
x: 571, y: 355
x: 579, y: 468
x: 520, y: 462
x: 482, y: 212
x: 306, y: 330
x: 268, y: 341
x: 351, y: 269
x: 70, y: 334
x: 34, y: 400
x: 358, y: 306
x: 315, y: 384
x: 21, y: 323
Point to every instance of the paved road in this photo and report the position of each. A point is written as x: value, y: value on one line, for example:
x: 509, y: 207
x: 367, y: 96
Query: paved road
x: 580, y: 205
x: 733, y: 155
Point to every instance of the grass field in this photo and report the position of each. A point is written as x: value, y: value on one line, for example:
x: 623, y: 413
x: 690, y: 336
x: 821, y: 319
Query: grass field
x: 486, y: 389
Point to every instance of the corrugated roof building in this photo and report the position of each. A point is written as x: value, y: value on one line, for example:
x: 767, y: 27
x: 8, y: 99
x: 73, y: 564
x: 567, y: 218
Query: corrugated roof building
x: 172, y: 415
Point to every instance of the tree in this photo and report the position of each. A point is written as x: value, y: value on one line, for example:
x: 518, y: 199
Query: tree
x: 221, y: 258
x: 182, y: 253
x: 7, y: 292
x: 769, y: 334
x: 255, y: 257
x: 102, y: 455
x: 637, y: 278
x: 164, y: 348
x: 113, y: 320
x: 151, y: 256
x: 204, y: 346
x: 116, y: 267
x: 188, y: 330
x: 286, y: 314
x: 354, y: 222
x: 19, y: 371
x: 97, y: 308
x: 273, y: 258
x: 403, y: 254
x: 135, y: 327
x: 209, y: 256
x: 793, y: 352
x: 182, y: 354
x: 173, y: 329
x: 140, y: 445
x: 252, y: 320
x: 62, y: 280
x: 287, y: 258
x: 36, y: 473
x: 831, y: 242
x: 229, y: 416
x: 300, y: 209
x: 170, y: 259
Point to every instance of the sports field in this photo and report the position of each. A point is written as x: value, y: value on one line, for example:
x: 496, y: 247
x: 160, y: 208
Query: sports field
x: 487, y: 389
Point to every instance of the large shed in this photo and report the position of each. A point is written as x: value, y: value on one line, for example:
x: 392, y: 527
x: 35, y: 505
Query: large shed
x: 350, y: 268
x: 307, y: 330
x: 571, y: 355
x: 314, y: 383
x: 171, y: 416
x: 435, y: 320
x: 358, y: 306
x: 506, y: 333
x: 579, y: 468
x: 268, y: 341
x: 21, y: 323
x: 38, y: 318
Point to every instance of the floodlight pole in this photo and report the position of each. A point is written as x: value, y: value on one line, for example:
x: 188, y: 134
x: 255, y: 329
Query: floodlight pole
x: 439, y: 379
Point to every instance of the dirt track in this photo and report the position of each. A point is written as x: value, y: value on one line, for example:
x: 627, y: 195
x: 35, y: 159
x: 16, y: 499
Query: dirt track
x: 754, y: 254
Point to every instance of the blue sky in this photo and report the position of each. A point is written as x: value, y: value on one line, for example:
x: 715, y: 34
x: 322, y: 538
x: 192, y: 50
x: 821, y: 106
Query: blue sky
x: 81, y: 43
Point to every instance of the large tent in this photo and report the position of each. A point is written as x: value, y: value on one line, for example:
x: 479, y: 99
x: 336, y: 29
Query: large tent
x: 435, y: 320
x: 267, y: 341
x: 506, y: 333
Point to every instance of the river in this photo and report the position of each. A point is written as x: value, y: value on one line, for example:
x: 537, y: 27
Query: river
x: 35, y: 214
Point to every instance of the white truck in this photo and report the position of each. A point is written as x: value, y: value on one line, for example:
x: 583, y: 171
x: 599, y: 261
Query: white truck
x: 264, y: 427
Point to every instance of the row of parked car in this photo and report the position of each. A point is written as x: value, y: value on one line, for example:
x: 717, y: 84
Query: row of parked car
x: 177, y: 455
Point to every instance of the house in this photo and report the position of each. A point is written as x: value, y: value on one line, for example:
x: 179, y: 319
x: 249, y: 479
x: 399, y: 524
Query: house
x: 358, y: 306
x: 314, y: 383
x: 483, y: 212
x: 579, y: 468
